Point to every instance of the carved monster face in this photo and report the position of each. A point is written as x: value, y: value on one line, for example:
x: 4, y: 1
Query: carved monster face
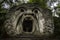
x: 29, y: 19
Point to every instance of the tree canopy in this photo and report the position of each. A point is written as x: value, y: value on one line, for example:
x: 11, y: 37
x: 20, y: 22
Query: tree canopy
x: 41, y: 2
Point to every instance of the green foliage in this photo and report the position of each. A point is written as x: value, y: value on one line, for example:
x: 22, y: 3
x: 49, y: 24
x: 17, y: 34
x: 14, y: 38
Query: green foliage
x: 41, y: 2
x: 2, y: 10
x: 58, y: 6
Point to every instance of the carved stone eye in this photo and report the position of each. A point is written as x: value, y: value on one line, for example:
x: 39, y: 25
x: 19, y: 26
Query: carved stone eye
x: 22, y: 10
x: 35, y: 10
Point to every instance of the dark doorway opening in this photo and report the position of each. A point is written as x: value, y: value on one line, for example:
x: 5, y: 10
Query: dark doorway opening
x: 27, y: 25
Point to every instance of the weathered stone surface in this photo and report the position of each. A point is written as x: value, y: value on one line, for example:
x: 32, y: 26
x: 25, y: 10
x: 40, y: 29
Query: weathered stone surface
x: 28, y: 20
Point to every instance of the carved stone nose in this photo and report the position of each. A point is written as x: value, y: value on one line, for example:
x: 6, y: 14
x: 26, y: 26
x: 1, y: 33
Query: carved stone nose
x: 28, y: 18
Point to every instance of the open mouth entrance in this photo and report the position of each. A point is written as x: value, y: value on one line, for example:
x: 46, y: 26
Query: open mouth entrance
x: 27, y: 25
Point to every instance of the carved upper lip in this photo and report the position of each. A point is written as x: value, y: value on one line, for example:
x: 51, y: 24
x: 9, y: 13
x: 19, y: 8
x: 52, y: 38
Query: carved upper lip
x: 30, y: 15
